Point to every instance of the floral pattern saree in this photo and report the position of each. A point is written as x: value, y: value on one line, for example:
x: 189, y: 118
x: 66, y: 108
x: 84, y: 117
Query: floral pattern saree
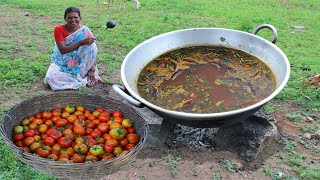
x: 69, y: 71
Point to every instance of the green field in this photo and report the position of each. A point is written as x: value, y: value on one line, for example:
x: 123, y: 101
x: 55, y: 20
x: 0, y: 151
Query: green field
x: 26, y: 44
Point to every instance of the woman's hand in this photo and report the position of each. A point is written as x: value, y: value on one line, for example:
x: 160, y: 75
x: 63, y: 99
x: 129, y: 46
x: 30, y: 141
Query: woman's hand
x: 88, y: 41
x: 66, y: 49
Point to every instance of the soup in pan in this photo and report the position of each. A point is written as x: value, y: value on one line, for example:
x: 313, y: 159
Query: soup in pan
x: 205, y: 79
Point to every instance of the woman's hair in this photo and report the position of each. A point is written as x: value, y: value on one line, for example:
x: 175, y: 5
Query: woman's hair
x: 71, y: 9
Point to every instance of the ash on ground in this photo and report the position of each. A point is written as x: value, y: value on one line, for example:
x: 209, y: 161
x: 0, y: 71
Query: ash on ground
x: 194, y: 138
x: 200, y: 139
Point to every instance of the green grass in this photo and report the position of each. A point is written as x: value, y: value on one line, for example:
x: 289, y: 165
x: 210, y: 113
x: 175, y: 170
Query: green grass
x: 172, y: 162
x: 229, y: 165
x: 12, y: 168
x: 25, y: 56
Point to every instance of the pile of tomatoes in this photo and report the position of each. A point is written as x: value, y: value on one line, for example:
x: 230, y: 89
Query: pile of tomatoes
x: 75, y: 134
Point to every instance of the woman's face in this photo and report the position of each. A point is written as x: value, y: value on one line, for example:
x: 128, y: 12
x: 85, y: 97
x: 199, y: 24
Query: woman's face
x: 73, y: 19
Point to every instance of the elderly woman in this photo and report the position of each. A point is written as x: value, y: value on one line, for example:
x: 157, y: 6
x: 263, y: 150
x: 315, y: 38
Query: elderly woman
x: 74, y: 55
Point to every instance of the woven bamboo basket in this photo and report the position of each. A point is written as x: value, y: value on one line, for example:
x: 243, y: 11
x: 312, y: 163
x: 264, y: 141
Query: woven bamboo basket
x: 64, y: 170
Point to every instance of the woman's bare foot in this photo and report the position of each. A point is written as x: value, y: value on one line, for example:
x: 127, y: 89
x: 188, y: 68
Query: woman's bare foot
x: 91, y: 77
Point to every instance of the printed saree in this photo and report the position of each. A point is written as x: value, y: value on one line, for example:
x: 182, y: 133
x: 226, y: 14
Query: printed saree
x: 68, y: 71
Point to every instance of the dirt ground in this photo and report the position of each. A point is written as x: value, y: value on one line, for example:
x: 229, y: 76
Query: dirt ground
x: 178, y: 161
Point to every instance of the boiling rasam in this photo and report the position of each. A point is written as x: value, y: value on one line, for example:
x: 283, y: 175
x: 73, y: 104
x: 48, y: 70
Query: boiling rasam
x: 205, y: 79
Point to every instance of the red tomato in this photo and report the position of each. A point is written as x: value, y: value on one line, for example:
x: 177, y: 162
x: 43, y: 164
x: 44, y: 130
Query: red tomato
x: 56, y: 109
x: 78, y: 158
x: 43, y: 136
x: 77, y: 129
x: 80, y: 122
x: 49, y: 141
x: 72, y: 118
x: 65, y: 142
x: 49, y: 123
x: 91, y: 117
x: 37, y: 132
x: 29, y: 133
x: 103, y: 127
x: 117, y: 120
x: 130, y: 146
x: 103, y: 117
x: 95, y: 133
x: 70, y: 136
x: 57, y: 113
x: 38, y: 121
x: 38, y: 115
x: 63, y: 156
x: 54, y: 151
x: 108, y: 148
x: 82, y: 116
x: 87, y: 111
x: 43, y: 152
x: 90, y: 124
x: 113, y: 142
x: 89, y: 141
x: 106, y: 136
x: 100, y: 109
x: 19, y: 143
x: 32, y: 126
x: 116, y: 114
x: 88, y: 131
x: 123, y: 142
x: 55, y: 134
x: 51, y: 130
x: 28, y: 141
x: 61, y: 122
x: 100, y: 140
x: 96, y: 121
x: 27, y: 149
x: 131, y: 130
x: 133, y: 138
x: 47, y: 115
x: 107, y: 156
x: 18, y: 137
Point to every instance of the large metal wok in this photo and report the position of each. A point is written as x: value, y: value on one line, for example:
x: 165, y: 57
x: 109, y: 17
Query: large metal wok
x: 142, y: 54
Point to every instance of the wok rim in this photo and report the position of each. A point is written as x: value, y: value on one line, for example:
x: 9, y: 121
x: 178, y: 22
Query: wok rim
x: 204, y: 115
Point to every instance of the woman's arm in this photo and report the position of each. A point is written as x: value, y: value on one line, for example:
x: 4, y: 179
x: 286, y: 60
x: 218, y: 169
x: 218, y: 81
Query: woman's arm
x: 64, y: 49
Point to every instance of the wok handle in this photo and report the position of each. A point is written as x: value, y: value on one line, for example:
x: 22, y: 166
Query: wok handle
x: 120, y: 90
x: 272, y: 28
